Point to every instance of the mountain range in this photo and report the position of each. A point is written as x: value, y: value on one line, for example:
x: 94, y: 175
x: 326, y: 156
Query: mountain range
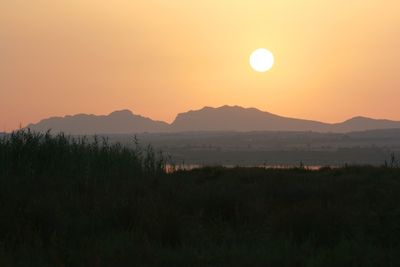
x: 225, y: 118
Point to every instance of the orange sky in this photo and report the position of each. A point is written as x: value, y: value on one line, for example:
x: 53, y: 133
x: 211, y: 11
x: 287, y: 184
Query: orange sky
x: 334, y: 59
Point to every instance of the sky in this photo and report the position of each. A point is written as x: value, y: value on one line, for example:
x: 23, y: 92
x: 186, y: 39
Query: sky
x: 333, y: 59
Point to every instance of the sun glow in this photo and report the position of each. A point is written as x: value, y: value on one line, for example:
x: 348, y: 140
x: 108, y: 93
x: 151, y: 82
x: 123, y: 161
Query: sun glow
x: 262, y: 60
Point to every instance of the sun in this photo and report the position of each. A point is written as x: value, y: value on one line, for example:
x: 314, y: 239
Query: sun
x: 262, y: 60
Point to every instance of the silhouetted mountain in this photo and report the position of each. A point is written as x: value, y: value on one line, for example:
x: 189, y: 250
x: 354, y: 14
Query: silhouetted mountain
x: 123, y: 121
x: 235, y: 118
x: 228, y: 118
x: 363, y: 124
x: 225, y: 118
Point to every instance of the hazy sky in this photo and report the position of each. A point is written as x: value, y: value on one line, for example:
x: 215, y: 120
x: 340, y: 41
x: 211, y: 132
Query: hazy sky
x: 334, y: 59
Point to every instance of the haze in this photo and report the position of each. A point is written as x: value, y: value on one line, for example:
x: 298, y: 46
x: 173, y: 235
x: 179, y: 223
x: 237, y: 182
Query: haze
x: 334, y: 59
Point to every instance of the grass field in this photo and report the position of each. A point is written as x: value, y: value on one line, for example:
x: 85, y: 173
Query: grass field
x: 74, y: 202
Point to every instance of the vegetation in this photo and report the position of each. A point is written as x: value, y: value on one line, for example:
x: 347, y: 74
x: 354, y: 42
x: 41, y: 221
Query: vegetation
x: 81, y: 202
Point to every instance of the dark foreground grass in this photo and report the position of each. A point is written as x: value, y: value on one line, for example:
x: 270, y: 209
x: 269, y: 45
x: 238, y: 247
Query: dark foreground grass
x: 69, y: 202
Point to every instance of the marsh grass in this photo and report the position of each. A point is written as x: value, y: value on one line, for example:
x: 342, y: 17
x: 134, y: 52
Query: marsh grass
x: 75, y: 202
x: 28, y: 154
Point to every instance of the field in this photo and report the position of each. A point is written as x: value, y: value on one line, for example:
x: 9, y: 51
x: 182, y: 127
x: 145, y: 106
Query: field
x: 74, y: 202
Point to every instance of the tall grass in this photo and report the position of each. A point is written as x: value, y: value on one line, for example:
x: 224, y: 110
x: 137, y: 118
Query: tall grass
x: 25, y: 153
x: 84, y: 202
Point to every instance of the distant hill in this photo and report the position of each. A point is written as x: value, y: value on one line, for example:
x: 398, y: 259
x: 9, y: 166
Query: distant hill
x: 225, y: 118
x: 235, y: 118
x: 228, y: 118
x: 123, y: 121
x: 363, y: 124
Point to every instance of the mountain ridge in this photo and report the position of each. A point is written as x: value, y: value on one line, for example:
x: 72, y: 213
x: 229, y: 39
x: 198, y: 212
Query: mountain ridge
x: 223, y: 118
x: 121, y: 121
